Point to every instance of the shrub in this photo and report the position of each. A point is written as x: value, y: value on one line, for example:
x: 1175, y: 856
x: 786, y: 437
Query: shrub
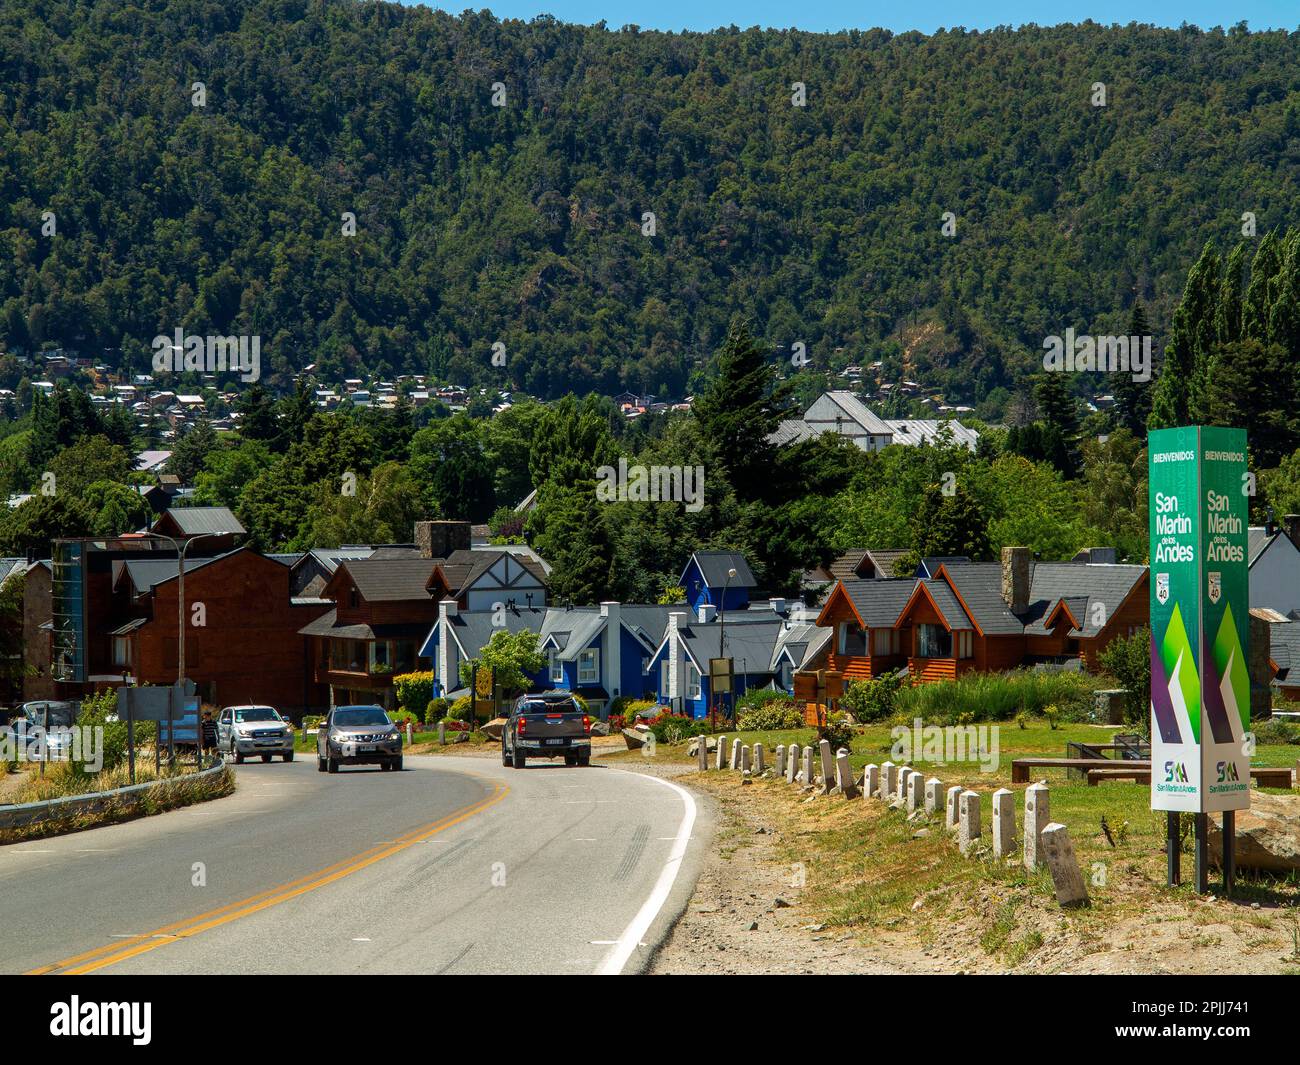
x: 436, y: 710
x: 1128, y: 660
x: 413, y: 691
x: 873, y: 700
x: 998, y: 697
x: 311, y: 721
x: 756, y: 698
x: 640, y: 708
x: 771, y: 716
x: 674, y: 728
x: 95, y: 713
x: 838, y: 731
x: 616, y: 723
x: 402, y: 717
x: 1276, y: 732
x: 459, y: 710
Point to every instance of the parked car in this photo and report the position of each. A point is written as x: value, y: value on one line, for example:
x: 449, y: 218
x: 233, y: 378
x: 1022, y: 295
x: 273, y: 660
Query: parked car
x: 55, y: 718
x: 358, y: 735
x: 546, y: 726
x: 243, y: 731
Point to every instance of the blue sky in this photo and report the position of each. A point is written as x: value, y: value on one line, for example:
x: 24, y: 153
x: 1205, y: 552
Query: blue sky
x: 924, y: 15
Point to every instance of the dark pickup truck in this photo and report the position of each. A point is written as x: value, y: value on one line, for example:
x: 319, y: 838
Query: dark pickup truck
x: 546, y: 726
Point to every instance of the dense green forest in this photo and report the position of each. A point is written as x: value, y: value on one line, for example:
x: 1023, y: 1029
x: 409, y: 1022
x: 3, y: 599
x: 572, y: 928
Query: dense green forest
x: 525, y: 223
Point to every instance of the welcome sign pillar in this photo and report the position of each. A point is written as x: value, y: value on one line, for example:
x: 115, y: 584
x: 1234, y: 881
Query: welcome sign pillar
x: 1200, y: 683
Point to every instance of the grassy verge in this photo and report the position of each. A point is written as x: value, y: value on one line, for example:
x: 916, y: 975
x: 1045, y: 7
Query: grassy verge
x: 170, y: 791
x: 869, y: 868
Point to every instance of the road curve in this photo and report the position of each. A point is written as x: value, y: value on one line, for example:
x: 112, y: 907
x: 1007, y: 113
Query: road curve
x: 456, y: 865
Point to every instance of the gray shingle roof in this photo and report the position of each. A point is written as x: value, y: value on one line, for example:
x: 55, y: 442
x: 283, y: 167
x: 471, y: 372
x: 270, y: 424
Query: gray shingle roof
x: 1085, y: 587
x: 879, y: 602
x: 980, y: 586
x: 714, y: 565
x: 390, y: 579
x: 194, y: 520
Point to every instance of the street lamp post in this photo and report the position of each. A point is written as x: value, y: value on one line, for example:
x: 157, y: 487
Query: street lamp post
x: 181, y: 548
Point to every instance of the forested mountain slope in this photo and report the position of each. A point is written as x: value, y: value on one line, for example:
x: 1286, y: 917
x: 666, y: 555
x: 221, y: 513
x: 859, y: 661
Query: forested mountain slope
x: 523, y: 223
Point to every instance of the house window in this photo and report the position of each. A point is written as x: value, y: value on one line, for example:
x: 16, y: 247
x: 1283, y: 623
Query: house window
x: 692, y: 682
x: 933, y: 641
x: 853, y: 641
x: 380, y: 658
x: 965, y: 643
x: 884, y: 641
x: 404, y: 656
x: 557, y: 668
x: 121, y: 651
x: 588, y: 666
x: 665, y: 679
x: 787, y: 675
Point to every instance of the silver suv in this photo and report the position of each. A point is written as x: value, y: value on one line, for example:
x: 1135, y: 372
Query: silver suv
x: 243, y: 731
x: 358, y: 735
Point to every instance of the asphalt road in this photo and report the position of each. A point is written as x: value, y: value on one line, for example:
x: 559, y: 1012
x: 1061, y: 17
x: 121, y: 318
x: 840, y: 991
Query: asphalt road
x: 455, y: 865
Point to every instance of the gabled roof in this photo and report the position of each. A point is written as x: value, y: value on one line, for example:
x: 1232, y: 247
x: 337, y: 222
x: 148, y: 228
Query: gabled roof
x: 462, y: 569
x: 929, y: 566
x: 884, y: 558
x: 473, y: 629
x: 941, y: 596
x: 751, y: 645
x: 877, y: 603
x: 1083, y: 587
x: 979, y: 587
x: 713, y: 567
x: 857, y: 411
x: 145, y: 575
x: 191, y: 521
x: 1259, y: 540
x: 387, y: 580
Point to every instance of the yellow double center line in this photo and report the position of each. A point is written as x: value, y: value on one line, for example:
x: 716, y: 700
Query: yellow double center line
x: 113, y: 953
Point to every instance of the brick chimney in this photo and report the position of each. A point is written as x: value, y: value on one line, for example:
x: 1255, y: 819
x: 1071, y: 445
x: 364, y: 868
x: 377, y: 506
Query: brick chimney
x: 1291, y: 523
x: 1015, y: 578
x: 438, y: 539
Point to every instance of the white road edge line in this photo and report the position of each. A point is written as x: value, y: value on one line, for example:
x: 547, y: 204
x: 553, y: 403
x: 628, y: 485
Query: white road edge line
x: 613, y: 962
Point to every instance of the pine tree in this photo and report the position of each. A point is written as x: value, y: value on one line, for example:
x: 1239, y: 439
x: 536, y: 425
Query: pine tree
x: 737, y: 412
x: 1133, y: 398
x: 1181, y: 382
x: 1060, y: 411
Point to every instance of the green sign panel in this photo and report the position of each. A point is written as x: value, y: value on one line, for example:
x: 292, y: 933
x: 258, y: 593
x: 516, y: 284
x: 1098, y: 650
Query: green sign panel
x: 1200, y: 683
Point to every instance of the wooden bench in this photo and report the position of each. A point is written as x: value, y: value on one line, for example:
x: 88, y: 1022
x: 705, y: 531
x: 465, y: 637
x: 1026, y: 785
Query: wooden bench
x: 1139, y: 775
x: 1020, y: 767
x: 1099, y: 769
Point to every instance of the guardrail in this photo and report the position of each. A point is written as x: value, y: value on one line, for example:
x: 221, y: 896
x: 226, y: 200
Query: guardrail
x: 24, y: 815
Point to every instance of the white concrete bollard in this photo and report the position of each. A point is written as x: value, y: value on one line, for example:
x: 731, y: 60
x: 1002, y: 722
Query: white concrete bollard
x: 442, y: 733
x: 904, y: 775
x: 746, y: 755
x: 779, y: 768
x: 808, y: 779
x: 888, y: 781
x: 952, y: 808
x: 1037, y: 814
x: 871, y: 780
x: 933, y: 795
x: 1004, y: 824
x: 828, y: 766
x: 721, y: 752
x: 968, y: 830
x: 1067, y: 877
x: 759, y: 765
x: 791, y: 764
x: 735, y: 754
x: 915, y: 795
x: 703, y: 754
x: 844, y: 775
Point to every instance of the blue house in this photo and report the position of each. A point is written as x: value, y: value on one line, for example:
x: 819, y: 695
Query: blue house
x: 708, y: 580
x: 601, y: 653
x: 765, y: 645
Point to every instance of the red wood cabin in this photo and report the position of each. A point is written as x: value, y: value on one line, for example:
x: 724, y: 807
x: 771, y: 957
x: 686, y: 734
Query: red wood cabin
x: 985, y: 616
